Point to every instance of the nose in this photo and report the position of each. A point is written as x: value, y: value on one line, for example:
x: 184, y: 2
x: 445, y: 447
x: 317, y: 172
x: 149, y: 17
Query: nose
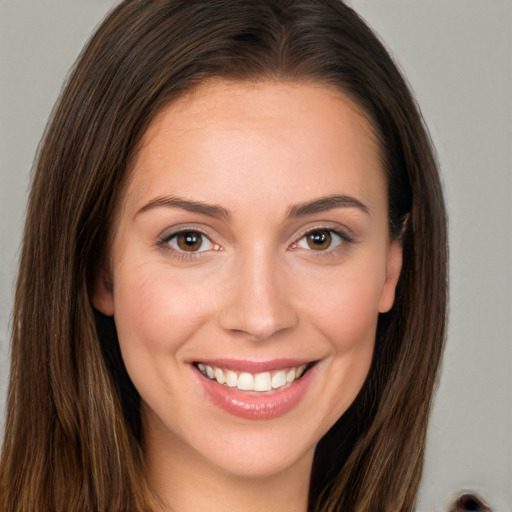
x: 260, y: 302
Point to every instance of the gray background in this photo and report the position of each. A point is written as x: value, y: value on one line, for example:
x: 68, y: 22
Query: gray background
x: 457, y: 57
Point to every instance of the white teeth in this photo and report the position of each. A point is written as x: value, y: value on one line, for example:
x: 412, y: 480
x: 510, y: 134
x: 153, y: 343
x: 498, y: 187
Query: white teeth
x: 300, y: 371
x: 209, y: 371
x: 262, y: 382
x: 231, y: 379
x: 279, y: 379
x: 245, y: 381
x: 219, y: 376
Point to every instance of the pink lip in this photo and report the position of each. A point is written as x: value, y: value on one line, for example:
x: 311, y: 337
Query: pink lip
x: 257, y: 406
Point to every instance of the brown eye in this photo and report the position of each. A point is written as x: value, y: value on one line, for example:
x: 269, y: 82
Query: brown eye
x: 319, y: 240
x: 190, y: 241
x: 323, y: 240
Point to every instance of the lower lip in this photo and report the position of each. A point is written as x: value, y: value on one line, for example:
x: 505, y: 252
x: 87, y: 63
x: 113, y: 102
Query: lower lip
x: 257, y: 406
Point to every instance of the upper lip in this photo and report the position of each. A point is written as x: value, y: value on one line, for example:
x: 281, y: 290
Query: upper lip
x: 252, y: 366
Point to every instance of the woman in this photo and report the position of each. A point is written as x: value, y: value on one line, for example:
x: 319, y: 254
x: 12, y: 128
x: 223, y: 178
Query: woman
x: 174, y: 351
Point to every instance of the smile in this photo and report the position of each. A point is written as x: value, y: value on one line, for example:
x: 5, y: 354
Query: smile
x: 246, y: 381
x: 256, y: 390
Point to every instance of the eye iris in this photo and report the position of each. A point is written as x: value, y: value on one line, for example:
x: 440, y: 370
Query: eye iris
x: 319, y: 240
x: 189, y: 241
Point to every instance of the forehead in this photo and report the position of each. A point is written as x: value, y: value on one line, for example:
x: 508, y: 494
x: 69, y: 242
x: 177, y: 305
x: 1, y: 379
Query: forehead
x: 296, y: 136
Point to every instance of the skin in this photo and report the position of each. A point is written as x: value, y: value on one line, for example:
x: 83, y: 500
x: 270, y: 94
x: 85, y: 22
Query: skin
x: 255, y: 290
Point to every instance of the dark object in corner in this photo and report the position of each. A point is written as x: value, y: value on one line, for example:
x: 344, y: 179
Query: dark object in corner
x: 470, y: 502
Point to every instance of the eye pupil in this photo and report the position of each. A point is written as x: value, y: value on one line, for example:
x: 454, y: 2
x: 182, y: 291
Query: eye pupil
x: 189, y: 240
x: 319, y: 240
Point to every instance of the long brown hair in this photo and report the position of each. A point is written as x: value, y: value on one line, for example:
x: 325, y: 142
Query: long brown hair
x: 73, y: 439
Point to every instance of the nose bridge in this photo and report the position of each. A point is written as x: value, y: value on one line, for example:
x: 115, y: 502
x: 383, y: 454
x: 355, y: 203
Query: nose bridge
x: 259, y: 302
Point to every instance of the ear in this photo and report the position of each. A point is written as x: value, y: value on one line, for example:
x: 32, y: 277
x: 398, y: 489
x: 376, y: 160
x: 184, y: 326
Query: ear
x: 393, y: 268
x: 103, y: 293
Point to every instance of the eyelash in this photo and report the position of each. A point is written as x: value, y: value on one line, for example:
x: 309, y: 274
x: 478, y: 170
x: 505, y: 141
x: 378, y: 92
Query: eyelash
x: 165, y: 242
x: 343, y: 238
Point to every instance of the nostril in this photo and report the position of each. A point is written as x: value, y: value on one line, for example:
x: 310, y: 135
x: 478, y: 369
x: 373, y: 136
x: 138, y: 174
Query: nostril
x: 470, y: 503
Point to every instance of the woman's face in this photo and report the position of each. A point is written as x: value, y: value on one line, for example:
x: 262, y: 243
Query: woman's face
x: 250, y: 262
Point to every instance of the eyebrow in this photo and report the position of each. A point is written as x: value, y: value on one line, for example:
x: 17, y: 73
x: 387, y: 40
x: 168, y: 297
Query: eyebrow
x: 212, y: 210
x: 326, y: 203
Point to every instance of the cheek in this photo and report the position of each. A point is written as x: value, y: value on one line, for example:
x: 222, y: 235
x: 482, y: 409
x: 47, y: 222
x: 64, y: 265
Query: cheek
x: 344, y: 305
x: 343, y: 308
x: 350, y: 326
x: 155, y: 311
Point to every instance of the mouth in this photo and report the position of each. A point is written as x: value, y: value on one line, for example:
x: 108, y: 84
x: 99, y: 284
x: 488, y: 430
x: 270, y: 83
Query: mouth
x: 261, y: 382
x: 256, y: 390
